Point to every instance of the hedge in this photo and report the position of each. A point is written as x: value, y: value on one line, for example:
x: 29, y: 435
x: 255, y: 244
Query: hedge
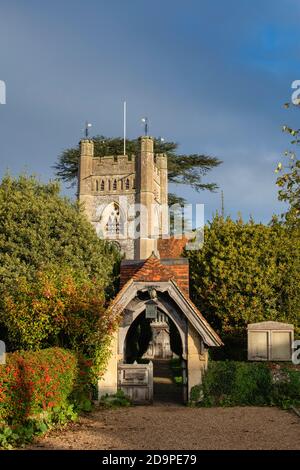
x: 35, y: 382
x: 232, y: 383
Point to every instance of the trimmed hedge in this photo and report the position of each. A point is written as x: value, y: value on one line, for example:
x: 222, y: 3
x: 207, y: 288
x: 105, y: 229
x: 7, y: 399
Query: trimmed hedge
x: 231, y: 383
x: 35, y: 382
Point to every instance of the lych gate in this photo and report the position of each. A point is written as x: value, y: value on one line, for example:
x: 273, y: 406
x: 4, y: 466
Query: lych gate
x: 154, y: 296
x: 163, y: 291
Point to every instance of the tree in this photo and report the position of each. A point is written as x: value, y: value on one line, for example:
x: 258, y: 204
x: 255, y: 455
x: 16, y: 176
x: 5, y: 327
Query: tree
x: 182, y: 169
x: 57, y: 307
x: 246, y: 272
x: 289, y: 179
x: 55, y: 273
x: 38, y: 227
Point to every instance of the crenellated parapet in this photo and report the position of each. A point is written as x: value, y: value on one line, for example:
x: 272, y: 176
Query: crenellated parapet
x: 114, y: 164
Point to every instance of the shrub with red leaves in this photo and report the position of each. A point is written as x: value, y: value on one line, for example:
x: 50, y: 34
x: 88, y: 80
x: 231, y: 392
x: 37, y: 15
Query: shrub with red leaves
x: 33, y: 382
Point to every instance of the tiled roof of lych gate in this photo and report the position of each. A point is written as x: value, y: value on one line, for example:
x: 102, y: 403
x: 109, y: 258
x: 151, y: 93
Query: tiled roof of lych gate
x: 153, y: 270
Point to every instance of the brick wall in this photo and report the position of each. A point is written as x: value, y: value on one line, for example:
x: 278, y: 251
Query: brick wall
x: 171, y: 247
x: 180, y: 269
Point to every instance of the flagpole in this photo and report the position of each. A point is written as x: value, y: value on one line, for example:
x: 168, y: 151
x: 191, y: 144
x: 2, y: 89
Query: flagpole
x: 124, y: 123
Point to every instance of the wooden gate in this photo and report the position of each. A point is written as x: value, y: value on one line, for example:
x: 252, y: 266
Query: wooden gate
x: 136, y: 381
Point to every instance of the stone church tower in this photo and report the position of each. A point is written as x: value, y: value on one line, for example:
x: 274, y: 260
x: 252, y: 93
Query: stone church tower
x: 125, y: 197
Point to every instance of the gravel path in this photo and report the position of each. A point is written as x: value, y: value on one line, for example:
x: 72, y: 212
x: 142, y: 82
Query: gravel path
x: 162, y: 427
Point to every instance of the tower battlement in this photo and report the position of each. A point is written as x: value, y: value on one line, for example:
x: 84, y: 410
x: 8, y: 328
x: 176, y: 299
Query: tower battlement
x: 115, y: 159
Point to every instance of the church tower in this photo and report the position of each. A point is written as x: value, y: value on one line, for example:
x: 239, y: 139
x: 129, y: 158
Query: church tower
x: 125, y: 196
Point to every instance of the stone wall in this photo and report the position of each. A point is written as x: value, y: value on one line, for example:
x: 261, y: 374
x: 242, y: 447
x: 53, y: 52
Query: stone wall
x: 197, y: 359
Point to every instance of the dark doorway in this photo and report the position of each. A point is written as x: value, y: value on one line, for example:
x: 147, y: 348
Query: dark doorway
x: 166, y: 386
x: 137, y: 340
x: 158, y: 340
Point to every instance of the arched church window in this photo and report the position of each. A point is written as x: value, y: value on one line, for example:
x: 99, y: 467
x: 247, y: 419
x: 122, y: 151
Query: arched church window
x: 109, y: 185
x: 102, y: 186
x: 114, y: 185
x: 127, y: 184
x: 97, y: 185
x: 114, y: 224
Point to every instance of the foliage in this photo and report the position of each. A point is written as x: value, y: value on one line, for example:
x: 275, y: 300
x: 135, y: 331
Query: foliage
x: 17, y: 435
x: 286, y: 389
x: 55, y: 273
x: 40, y: 390
x: 39, y: 227
x: 118, y: 399
x: 176, y: 368
x: 289, y: 184
x: 195, y: 395
x: 182, y: 169
x: 33, y: 383
x: 232, y: 383
x: 175, y: 363
x: 288, y: 180
x: 56, y: 307
x: 229, y: 383
x: 246, y: 272
x: 252, y: 384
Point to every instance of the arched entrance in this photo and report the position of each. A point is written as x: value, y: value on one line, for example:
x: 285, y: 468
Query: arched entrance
x: 156, y: 340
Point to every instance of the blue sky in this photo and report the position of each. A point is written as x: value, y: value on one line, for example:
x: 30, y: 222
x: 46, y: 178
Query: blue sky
x: 212, y: 76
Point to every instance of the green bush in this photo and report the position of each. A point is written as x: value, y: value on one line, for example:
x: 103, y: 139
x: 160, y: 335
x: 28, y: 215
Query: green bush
x: 17, y: 435
x: 116, y: 400
x: 252, y: 384
x: 176, y: 368
x: 231, y: 383
x: 196, y: 395
x: 218, y: 383
x: 286, y: 389
x: 236, y: 383
x: 245, y: 273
